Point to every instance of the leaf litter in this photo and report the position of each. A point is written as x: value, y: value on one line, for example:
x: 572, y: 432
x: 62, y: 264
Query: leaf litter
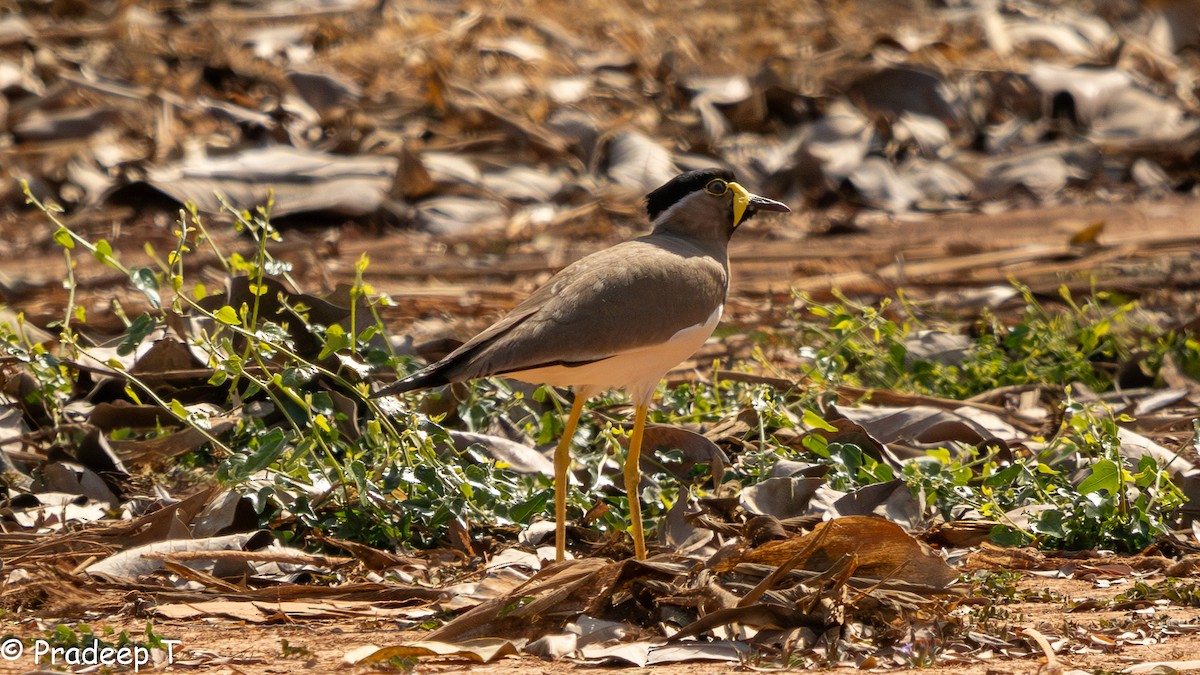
x: 868, y: 117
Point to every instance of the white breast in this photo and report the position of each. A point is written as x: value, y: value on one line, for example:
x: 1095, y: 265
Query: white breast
x: 637, y: 370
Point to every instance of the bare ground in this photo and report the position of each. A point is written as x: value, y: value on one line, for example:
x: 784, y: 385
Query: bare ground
x: 221, y: 646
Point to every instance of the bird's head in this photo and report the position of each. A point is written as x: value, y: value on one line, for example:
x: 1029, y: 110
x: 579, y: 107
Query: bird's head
x: 706, y: 201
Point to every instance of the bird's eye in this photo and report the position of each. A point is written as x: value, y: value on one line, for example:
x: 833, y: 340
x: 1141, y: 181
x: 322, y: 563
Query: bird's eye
x: 716, y: 187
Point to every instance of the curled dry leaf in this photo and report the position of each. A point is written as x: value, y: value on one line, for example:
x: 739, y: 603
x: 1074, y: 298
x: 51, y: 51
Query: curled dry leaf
x: 518, y: 457
x: 298, y: 181
x: 695, y: 448
x: 637, y: 162
x: 782, y: 497
x: 882, y: 550
x: 131, y: 564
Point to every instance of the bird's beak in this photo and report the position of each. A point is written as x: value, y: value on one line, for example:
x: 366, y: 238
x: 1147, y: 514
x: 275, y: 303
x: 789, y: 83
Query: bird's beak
x: 743, y: 200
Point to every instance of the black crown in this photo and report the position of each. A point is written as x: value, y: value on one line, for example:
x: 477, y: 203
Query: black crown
x: 681, y: 186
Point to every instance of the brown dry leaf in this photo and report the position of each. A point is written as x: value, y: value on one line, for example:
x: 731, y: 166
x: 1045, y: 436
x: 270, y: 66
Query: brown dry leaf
x: 122, y: 414
x: 300, y: 180
x: 685, y: 652
x: 892, y: 500
x: 925, y: 427
x: 1088, y: 234
x: 990, y: 556
x: 550, y: 589
x: 294, y: 610
x: 40, y: 125
x: 460, y: 216
x: 758, y: 616
x: 782, y: 497
x: 880, y: 186
x: 513, y: 455
x: 883, y: 551
x: 51, y: 510
x: 372, y: 558
x: 131, y: 564
x: 1135, y: 446
x: 696, y: 449
x: 635, y: 653
x: 553, y: 647
x: 75, y: 479
x: 679, y: 533
x: 637, y: 162
x: 483, y: 650
x: 158, y: 450
x: 1164, y: 667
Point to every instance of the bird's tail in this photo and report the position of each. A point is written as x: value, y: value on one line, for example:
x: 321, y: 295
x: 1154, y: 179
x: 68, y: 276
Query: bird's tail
x: 426, y: 378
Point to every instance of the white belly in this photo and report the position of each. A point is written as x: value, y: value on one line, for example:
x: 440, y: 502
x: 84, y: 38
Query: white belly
x: 638, y: 370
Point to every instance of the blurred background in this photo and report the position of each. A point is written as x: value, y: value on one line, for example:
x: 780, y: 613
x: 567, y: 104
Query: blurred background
x: 471, y: 148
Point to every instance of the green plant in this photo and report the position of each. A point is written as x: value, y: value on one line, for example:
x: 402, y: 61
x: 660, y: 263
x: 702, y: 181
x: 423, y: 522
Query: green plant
x: 373, y: 473
x: 1182, y: 592
x: 860, y: 345
x: 999, y: 586
x: 290, y: 651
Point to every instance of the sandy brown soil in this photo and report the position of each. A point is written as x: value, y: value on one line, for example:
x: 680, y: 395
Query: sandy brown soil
x: 222, y: 647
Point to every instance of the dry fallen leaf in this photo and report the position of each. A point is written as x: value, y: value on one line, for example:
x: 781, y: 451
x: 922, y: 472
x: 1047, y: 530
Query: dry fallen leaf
x: 483, y: 650
x: 882, y: 550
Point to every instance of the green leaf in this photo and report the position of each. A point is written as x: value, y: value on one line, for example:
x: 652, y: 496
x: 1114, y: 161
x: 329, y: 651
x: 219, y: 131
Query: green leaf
x: 138, y: 331
x: 63, y: 237
x: 144, y: 280
x: 1106, y: 475
x: 322, y: 402
x: 1051, y: 522
x: 523, y: 512
x: 270, y: 447
x: 227, y: 315
x: 551, y: 427
x: 942, y: 455
x: 297, y: 376
x: 335, y: 340
x: 812, y: 419
x: 816, y: 444
x: 103, y: 252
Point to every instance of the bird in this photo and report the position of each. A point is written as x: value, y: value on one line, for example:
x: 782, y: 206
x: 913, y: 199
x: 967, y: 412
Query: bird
x: 621, y: 317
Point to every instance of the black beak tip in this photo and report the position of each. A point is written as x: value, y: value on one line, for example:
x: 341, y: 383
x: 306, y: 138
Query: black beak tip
x: 764, y: 204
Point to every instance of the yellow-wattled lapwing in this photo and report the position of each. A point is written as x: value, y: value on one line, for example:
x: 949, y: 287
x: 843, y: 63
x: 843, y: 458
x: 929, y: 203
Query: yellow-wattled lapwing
x: 621, y: 317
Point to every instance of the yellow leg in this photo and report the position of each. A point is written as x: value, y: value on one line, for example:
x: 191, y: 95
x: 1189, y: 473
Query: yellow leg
x: 633, y: 478
x: 562, y: 460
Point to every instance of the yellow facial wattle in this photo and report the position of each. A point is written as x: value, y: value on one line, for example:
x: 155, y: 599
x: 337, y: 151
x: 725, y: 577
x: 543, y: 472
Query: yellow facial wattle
x: 741, y: 201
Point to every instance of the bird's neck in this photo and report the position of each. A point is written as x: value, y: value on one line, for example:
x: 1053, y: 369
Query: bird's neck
x: 696, y: 221
x: 689, y: 246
